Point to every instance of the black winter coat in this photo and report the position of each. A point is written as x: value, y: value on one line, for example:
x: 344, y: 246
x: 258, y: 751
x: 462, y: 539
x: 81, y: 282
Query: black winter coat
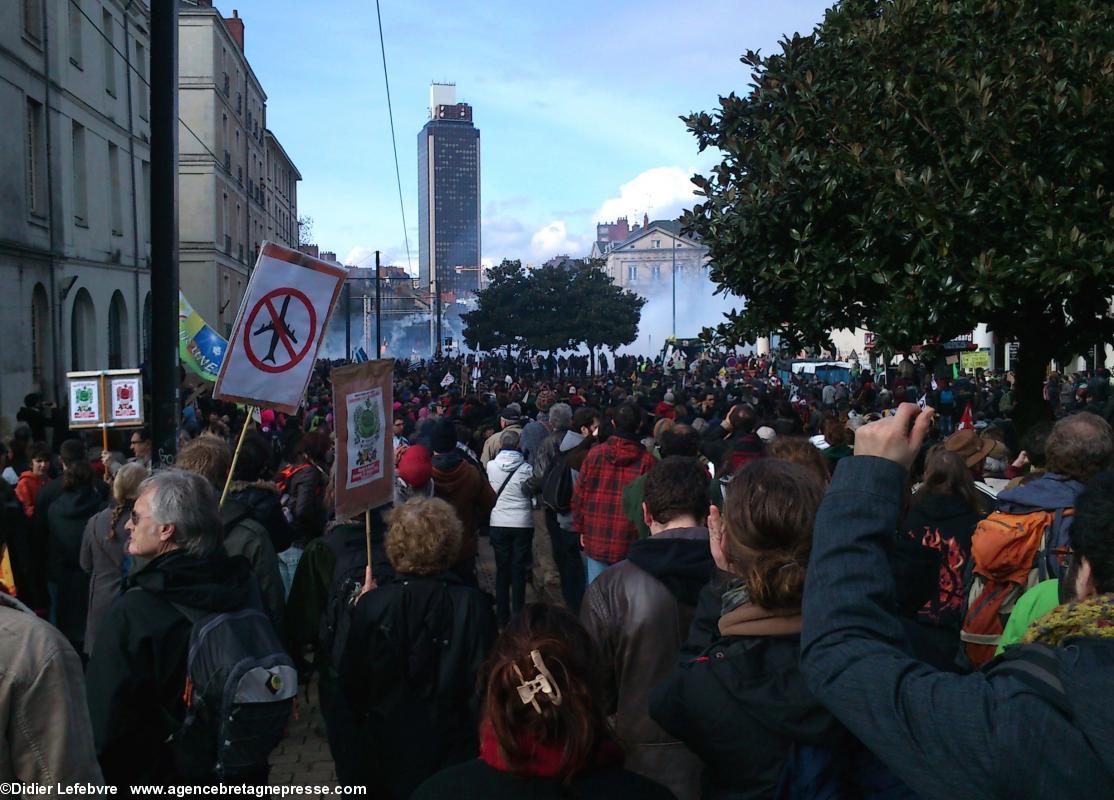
x: 66, y: 519
x: 262, y: 500
x: 410, y: 670
x: 476, y: 780
x: 137, y: 672
x: 739, y: 707
x: 15, y: 537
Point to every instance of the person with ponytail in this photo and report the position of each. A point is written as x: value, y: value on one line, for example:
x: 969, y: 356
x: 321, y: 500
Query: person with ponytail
x: 104, y: 547
x: 544, y: 731
x: 742, y: 703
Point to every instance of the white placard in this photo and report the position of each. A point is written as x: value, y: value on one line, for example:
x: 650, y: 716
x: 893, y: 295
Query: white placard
x: 279, y: 328
x: 367, y: 428
x: 125, y: 399
x: 85, y: 401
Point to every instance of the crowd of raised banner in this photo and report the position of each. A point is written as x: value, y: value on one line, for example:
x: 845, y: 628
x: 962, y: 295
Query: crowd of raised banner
x: 751, y: 584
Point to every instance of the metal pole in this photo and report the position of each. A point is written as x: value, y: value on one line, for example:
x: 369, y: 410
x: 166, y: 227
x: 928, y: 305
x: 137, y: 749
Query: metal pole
x: 347, y: 319
x: 378, y: 311
x: 437, y: 300
x: 367, y: 322
x: 164, y: 232
x: 674, y: 288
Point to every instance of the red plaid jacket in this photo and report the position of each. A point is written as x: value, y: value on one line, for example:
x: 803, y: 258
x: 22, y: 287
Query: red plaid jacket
x: 597, y: 500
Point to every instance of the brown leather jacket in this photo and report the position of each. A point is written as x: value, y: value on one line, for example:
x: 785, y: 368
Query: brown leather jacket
x: 638, y: 613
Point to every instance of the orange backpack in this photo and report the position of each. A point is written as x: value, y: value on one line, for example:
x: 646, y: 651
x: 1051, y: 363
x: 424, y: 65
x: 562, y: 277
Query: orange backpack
x: 1010, y: 554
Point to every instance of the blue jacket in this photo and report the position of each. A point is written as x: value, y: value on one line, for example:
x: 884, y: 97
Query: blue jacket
x: 1049, y: 492
x: 989, y: 734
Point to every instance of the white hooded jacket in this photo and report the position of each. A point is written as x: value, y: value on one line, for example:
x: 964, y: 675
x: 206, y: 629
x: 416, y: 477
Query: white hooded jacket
x: 513, y: 508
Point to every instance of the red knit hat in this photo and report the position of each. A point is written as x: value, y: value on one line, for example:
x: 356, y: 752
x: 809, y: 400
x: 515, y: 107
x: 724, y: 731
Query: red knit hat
x: 415, y: 467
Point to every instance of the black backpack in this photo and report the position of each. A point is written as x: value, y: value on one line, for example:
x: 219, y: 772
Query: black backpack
x: 240, y: 690
x: 350, y: 554
x: 557, y: 485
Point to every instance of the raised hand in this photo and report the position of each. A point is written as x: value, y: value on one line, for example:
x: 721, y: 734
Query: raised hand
x: 897, y: 438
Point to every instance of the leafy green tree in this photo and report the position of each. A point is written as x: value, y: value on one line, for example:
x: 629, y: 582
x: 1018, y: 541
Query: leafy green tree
x: 553, y: 308
x: 915, y: 167
x: 501, y: 319
x: 599, y: 312
x: 305, y: 229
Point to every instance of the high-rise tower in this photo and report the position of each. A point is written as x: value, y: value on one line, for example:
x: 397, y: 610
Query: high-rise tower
x: 449, y: 195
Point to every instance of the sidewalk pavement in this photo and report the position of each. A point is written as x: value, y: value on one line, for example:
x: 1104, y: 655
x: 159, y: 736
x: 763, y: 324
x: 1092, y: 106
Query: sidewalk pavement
x: 302, y: 757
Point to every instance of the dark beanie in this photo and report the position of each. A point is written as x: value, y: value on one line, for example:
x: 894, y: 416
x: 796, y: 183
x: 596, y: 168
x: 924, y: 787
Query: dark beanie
x: 443, y: 439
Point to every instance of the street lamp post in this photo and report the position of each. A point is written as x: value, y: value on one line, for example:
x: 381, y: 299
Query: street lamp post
x: 165, y: 401
x: 378, y: 311
x: 674, y: 287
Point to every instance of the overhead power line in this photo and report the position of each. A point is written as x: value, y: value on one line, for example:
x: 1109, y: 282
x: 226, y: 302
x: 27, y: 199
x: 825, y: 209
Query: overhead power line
x: 394, y: 143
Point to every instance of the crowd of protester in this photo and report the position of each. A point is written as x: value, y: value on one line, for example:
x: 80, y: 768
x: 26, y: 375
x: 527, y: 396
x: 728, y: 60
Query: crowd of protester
x: 762, y: 585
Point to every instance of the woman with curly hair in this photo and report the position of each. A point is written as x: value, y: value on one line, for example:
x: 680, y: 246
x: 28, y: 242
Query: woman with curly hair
x: 410, y: 665
x: 544, y: 731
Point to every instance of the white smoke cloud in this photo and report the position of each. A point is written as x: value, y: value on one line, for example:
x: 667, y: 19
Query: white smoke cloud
x: 697, y: 307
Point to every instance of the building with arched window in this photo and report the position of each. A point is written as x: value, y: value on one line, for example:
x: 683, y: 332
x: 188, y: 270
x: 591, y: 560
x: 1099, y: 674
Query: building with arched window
x: 75, y: 183
x: 74, y: 167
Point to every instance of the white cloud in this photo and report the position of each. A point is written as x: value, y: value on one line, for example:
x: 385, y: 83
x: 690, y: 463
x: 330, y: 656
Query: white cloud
x: 554, y: 239
x: 510, y: 237
x: 505, y: 236
x: 660, y: 192
x: 361, y: 255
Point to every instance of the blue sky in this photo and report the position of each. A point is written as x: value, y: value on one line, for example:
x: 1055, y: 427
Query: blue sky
x: 577, y: 104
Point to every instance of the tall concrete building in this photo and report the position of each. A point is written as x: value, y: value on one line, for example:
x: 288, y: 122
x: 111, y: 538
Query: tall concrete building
x: 74, y: 166
x: 449, y: 195
x: 236, y: 185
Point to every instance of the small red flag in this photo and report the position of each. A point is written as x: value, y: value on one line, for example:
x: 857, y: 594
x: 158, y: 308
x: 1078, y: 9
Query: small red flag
x: 967, y: 421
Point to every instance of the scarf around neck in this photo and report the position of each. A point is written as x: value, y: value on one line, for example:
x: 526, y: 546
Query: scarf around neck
x: 545, y: 758
x: 1093, y: 617
x: 739, y: 616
